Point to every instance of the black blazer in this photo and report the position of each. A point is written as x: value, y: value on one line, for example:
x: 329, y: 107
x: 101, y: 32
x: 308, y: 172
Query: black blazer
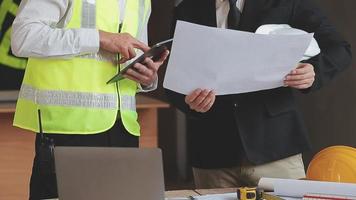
x: 261, y: 126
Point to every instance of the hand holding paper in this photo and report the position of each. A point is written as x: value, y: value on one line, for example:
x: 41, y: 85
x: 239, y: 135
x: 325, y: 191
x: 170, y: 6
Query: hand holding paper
x: 302, y: 77
x: 200, y: 100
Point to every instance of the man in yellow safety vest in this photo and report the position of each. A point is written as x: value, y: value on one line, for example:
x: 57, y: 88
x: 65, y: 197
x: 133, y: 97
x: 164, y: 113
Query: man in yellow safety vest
x: 73, y: 48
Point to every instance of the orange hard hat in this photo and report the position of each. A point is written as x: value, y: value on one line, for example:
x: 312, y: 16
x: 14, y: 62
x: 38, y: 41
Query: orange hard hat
x: 335, y: 164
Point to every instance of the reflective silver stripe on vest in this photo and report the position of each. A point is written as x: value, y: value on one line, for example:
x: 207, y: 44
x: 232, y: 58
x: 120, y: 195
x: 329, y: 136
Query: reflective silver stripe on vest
x: 65, y: 98
x: 73, y: 99
x: 142, y: 18
x: 76, y: 99
x: 128, y: 103
x: 88, y: 14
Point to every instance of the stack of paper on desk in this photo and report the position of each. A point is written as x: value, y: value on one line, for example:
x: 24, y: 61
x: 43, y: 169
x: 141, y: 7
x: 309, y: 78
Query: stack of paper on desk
x: 230, y: 61
x: 299, y: 188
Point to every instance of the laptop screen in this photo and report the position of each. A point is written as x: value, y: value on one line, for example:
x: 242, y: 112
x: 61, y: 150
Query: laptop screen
x: 93, y: 173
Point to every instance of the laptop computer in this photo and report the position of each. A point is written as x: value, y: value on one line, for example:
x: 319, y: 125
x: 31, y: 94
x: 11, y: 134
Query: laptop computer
x: 92, y: 173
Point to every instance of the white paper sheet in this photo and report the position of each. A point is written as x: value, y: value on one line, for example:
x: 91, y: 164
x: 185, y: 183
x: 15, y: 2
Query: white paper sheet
x: 298, y: 188
x: 230, y: 61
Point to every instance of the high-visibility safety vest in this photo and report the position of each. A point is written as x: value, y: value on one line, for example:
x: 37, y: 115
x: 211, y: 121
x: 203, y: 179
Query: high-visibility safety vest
x: 72, y: 94
x: 8, y: 9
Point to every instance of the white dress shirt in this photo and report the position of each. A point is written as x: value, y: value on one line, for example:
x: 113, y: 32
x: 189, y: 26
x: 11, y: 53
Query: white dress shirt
x: 222, y: 11
x: 38, y: 31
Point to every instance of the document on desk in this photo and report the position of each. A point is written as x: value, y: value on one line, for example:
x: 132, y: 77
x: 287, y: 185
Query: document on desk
x: 298, y: 188
x: 230, y: 61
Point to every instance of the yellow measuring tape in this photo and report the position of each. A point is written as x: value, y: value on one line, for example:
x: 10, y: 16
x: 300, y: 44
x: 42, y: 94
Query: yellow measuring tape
x: 248, y: 193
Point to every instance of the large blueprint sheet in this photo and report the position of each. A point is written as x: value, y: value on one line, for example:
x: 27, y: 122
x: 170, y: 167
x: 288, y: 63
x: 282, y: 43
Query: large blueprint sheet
x: 229, y: 61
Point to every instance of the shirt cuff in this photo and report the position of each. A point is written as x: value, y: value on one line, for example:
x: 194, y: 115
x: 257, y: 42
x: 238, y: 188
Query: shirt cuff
x: 89, y: 40
x: 149, y: 88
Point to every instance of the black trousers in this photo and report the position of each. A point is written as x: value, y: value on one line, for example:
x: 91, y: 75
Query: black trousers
x: 44, y: 185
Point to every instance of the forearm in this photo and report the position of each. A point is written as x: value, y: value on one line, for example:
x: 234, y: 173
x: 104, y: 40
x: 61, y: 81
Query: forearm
x: 335, y: 53
x: 38, y: 31
x: 328, y: 64
x: 41, y: 41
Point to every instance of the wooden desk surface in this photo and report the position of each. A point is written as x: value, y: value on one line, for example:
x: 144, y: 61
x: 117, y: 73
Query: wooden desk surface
x: 7, y: 107
x: 149, y: 102
x: 143, y: 102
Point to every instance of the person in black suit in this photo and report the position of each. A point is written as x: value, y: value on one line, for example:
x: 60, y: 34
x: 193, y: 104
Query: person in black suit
x: 236, y: 139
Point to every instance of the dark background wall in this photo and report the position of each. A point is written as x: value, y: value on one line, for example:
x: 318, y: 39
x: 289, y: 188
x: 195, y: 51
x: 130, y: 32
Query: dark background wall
x: 330, y: 113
